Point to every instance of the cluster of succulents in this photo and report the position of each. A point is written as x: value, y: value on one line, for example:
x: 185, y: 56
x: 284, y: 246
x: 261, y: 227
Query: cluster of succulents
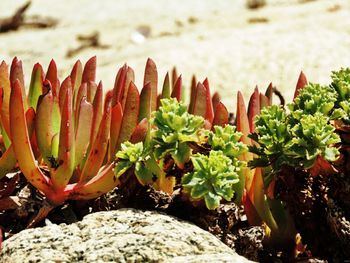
x: 71, y: 141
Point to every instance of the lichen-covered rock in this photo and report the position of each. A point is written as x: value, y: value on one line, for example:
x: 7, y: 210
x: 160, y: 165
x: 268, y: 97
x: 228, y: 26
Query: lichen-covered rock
x: 125, y: 235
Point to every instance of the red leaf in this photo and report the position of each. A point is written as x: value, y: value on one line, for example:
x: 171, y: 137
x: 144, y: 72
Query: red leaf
x: 215, y: 100
x: 193, y: 94
x: 253, y: 108
x: 174, y: 76
x: 66, y: 84
x: 145, y: 102
x: 116, y: 121
x: 302, y: 82
x: 51, y: 75
x: 91, y: 91
x: 89, y: 72
x: 131, y: 113
x: 166, y: 87
x: 129, y: 77
x: 209, y: 115
x: 98, y: 109
x: 140, y: 132
x: 151, y: 76
x: 16, y: 72
x: 221, y: 115
x: 76, y: 75
x: 264, y: 101
x: 119, y: 84
x: 177, y: 90
x: 5, y: 85
x: 269, y: 93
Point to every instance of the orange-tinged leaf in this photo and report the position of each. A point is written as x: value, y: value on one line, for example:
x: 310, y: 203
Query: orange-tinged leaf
x: 151, y: 76
x: 130, y: 115
x: 82, y: 92
x: 51, y: 75
x: 209, y: 115
x: 166, y: 183
x: 116, y: 121
x: 253, y: 108
x: 16, y: 72
x: 302, y: 82
x: 215, y: 100
x: 82, y: 133
x: 103, y: 182
x: 264, y: 101
x: 98, y: 109
x: 269, y: 93
x: 89, y: 72
x: 174, y: 76
x: 140, y: 132
x: 119, y: 86
x: 193, y: 94
x: 177, y: 90
x: 66, y: 84
x: 98, y: 149
x: 166, y: 87
x: 145, y: 102
x: 202, y: 105
x: 242, y: 125
x: 242, y: 122
x: 250, y: 211
x: 36, y: 85
x: 91, y: 91
x: 7, y: 161
x: 21, y: 141
x: 76, y: 75
x: 43, y: 125
x: 5, y: 108
x: 129, y: 77
x: 221, y: 115
x: 257, y: 196
x: 61, y: 175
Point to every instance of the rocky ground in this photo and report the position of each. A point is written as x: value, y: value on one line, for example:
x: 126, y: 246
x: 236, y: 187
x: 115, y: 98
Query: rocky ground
x: 236, y: 48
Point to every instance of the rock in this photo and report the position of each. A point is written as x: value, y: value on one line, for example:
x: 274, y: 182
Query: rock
x: 125, y: 235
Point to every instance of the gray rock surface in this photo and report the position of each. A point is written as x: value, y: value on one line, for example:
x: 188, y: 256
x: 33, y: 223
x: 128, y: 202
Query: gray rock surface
x: 125, y: 235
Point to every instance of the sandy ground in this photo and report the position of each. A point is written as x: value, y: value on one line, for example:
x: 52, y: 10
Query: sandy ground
x: 211, y: 39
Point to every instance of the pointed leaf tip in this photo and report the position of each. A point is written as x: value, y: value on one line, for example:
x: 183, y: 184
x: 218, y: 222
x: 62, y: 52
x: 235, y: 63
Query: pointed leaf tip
x: 302, y: 82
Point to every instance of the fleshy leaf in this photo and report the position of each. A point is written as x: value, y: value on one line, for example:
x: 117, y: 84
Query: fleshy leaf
x: 166, y: 87
x: 21, y: 141
x: 82, y: 133
x: 51, y: 75
x: 151, y: 76
x: 221, y: 115
x: 302, y: 82
x: 61, y: 175
x: 130, y: 115
x: 36, y: 85
x: 116, y: 121
x: 145, y: 102
x: 98, y: 149
x: 177, y: 90
x: 89, y: 72
x: 43, y: 125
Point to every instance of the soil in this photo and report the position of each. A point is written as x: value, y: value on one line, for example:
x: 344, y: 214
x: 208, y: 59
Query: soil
x: 228, y: 222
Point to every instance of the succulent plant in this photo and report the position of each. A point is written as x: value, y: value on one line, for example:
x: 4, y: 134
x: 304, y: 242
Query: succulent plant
x: 226, y: 139
x: 175, y: 128
x: 213, y: 178
x: 313, y: 136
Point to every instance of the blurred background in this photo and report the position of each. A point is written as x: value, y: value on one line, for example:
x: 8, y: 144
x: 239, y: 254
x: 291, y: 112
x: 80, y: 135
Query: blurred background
x: 235, y: 46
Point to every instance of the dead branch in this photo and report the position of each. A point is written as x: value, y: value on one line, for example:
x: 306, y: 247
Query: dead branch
x: 15, y: 21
